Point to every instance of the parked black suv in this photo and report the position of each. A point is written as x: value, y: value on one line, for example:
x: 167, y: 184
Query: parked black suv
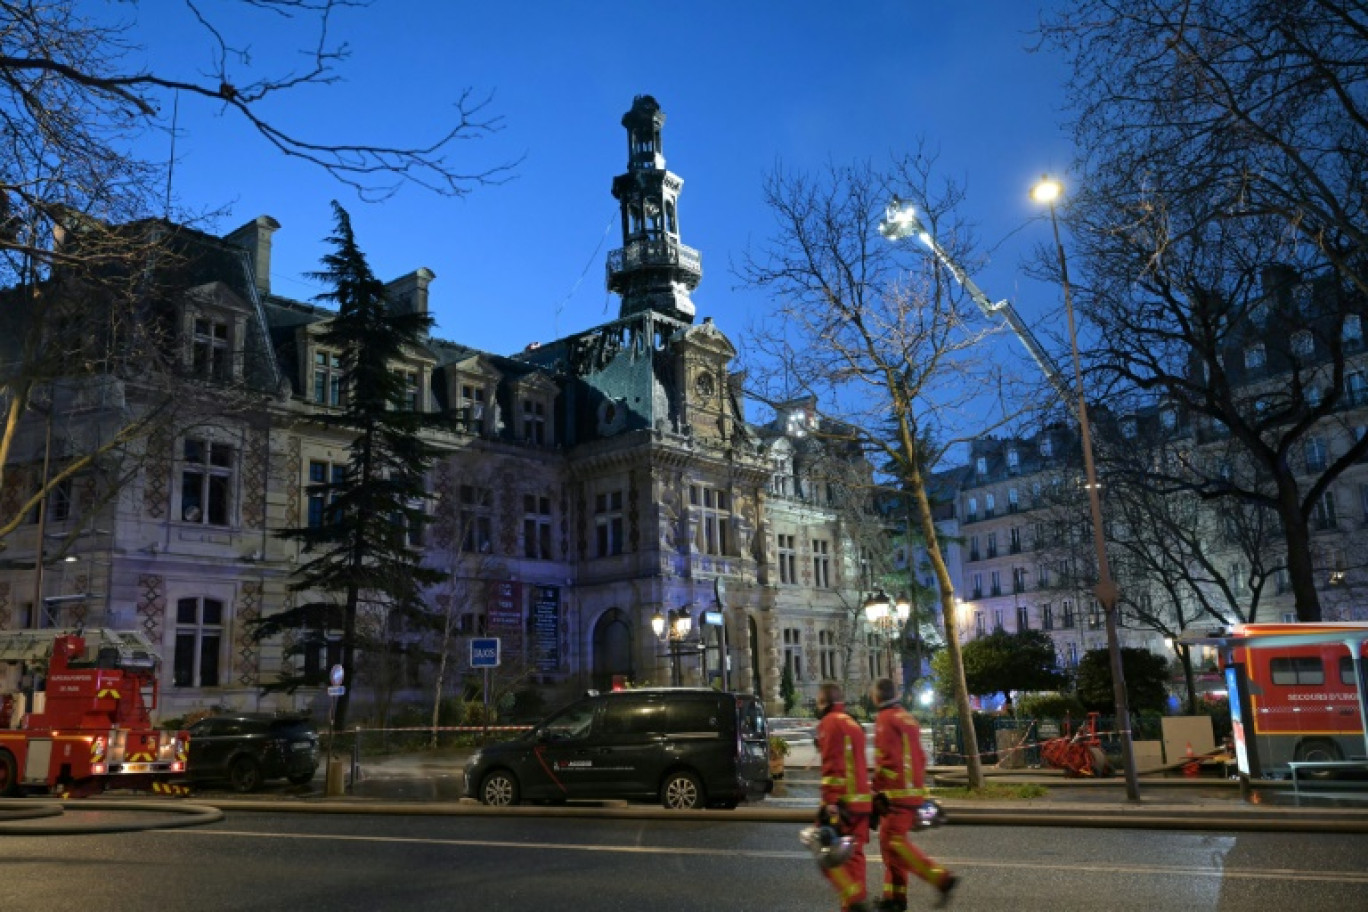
x: 247, y: 749
x: 684, y: 747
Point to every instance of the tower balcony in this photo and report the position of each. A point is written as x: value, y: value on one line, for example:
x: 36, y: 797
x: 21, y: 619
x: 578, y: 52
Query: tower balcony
x: 654, y: 254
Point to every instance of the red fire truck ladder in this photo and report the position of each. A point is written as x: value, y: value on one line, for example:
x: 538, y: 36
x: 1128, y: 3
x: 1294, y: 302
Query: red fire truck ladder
x: 135, y: 650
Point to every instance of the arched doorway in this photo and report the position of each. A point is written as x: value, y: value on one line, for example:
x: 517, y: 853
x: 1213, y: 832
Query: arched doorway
x: 612, y: 649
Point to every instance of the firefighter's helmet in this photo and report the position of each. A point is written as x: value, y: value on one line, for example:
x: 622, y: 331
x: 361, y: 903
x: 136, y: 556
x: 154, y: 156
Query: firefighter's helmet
x: 930, y: 814
x: 827, y: 845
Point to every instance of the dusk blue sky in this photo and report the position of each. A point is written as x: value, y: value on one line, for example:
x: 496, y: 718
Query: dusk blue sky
x: 744, y: 85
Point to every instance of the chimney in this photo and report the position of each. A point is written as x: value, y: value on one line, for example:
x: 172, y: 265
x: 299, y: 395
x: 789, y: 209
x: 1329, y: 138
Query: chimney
x: 409, y: 293
x: 255, y: 238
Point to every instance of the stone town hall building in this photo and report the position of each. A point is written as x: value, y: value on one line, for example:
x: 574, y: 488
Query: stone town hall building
x: 594, y: 482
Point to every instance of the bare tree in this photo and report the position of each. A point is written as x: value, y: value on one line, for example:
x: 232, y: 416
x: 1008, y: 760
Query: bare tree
x: 464, y: 593
x: 1219, y: 138
x: 894, y: 353
x: 81, y: 257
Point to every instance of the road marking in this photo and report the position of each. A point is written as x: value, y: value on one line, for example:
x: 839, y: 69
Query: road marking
x: 1281, y: 874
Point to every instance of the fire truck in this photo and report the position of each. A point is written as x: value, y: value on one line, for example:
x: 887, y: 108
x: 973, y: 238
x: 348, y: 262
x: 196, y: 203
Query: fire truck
x: 80, y: 721
x: 1296, y: 692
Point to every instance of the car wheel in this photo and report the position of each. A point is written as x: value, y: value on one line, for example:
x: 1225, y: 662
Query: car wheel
x: 245, y: 775
x: 302, y: 778
x: 499, y: 789
x: 681, y: 791
x: 9, y: 775
x: 1317, y: 750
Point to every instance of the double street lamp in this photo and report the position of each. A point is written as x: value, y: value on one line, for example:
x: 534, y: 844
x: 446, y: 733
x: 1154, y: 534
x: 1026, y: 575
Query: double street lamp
x: 672, y: 630
x: 889, y: 617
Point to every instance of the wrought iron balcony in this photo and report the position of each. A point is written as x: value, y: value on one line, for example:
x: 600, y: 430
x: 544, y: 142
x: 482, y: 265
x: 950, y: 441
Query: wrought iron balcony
x: 660, y: 253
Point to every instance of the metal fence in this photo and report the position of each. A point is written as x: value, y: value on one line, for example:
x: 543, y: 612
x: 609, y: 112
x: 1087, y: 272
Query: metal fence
x: 1022, y: 746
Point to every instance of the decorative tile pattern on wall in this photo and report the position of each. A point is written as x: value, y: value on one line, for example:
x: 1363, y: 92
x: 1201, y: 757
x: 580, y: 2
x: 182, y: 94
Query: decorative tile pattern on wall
x: 80, y: 610
x: 16, y: 480
x: 249, y: 610
x: 293, y: 483
x: 152, y: 604
x: 157, y: 475
x: 256, y: 462
x: 87, y: 490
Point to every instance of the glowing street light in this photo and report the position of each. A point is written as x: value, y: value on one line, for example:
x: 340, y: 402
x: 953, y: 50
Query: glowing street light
x: 889, y: 617
x: 1047, y: 191
x: 672, y: 631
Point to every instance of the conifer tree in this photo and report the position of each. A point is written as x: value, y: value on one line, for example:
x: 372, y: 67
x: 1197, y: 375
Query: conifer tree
x: 361, y: 571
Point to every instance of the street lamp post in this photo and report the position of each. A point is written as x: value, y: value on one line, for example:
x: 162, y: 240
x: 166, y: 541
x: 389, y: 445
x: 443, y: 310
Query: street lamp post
x: 671, y: 631
x: 888, y: 617
x: 1047, y: 191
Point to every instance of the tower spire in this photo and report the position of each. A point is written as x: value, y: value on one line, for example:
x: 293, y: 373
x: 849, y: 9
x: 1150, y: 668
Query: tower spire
x: 652, y: 271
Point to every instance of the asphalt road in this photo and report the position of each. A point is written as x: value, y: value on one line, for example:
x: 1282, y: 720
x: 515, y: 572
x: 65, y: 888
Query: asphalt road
x: 312, y: 863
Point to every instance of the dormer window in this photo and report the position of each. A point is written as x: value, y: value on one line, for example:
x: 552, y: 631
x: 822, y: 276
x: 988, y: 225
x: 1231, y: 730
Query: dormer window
x: 534, y: 422
x: 327, y: 377
x: 470, y: 408
x: 1013, y: 461
x: 409, y: 400
x: 981, y: 465
x: 211, y: 351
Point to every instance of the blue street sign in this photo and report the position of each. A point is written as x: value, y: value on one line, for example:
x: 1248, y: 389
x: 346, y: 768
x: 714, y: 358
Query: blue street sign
x: 484, y: 652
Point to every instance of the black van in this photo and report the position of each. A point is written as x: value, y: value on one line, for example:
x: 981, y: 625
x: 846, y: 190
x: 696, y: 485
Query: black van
x: 683, y: 747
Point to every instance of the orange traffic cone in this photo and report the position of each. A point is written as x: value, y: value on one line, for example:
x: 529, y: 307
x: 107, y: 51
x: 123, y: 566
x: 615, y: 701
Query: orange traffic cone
x: 1192, y: 767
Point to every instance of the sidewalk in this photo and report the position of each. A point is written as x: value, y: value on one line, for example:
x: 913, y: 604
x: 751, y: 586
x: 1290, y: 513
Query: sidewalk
x: 404, y: 783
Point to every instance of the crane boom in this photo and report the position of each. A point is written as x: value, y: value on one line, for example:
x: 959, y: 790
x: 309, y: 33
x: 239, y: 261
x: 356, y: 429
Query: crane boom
x: 900, y: 221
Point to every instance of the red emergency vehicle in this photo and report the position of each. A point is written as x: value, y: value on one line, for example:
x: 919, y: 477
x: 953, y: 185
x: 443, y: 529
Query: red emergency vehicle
x: 81, y: 720
x: 1296, y: 692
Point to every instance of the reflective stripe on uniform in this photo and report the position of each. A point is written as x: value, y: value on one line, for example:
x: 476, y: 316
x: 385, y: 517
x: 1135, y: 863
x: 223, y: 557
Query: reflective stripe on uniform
x: 852, y: 796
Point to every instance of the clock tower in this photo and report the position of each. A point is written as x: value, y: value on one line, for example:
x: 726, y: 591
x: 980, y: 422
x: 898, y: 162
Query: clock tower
x: 652, y: 271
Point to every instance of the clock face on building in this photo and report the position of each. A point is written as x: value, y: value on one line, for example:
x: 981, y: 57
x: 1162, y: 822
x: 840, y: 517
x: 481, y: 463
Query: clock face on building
x: 612, y: 416
x: 705, y: 385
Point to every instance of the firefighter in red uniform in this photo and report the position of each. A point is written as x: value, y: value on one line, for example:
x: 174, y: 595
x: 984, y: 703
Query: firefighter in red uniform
x: 899, y: 786
x: 845, y: 790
